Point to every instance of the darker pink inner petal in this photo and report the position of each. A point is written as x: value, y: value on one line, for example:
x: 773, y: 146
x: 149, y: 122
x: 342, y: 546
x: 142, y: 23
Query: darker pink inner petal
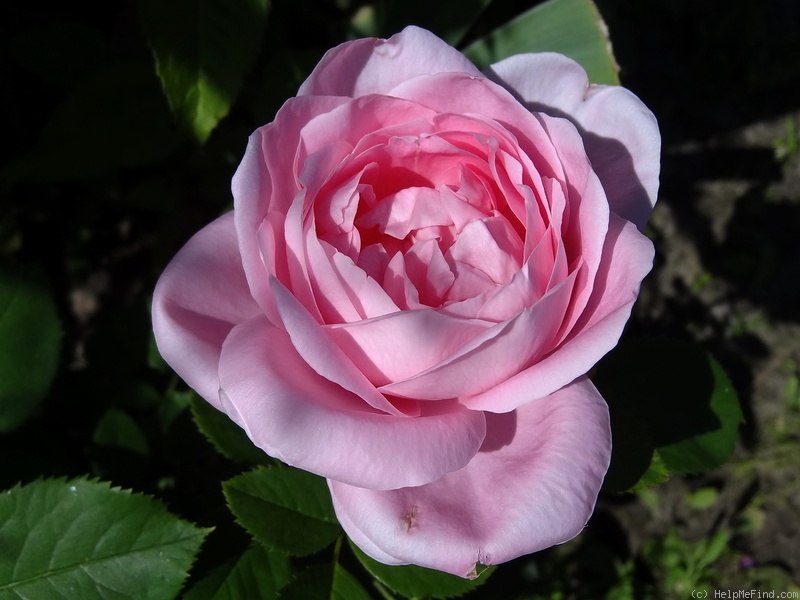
x: 434, y: 217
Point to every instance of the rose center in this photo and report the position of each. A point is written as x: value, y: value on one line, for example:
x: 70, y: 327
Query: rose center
x: 424, y: 216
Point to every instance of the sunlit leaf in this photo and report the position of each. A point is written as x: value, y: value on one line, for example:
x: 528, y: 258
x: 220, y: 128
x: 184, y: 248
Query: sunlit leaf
x: 283, y: 508
x: 572, y: 27
x: 203, y: 48
x: 30, y: 341
x: 84, y: 539
x: 656, y: 474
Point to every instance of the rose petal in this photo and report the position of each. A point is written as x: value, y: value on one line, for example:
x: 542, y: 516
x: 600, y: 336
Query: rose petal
x: 493, y: 356
x: 301, y: 418
x: 628, y: 258
x: 484, y: 100
x: 620, y: 134
x: 401, y: 345
x: 373, y: 66
x: 322, y: 354
x: 398, y: 284
x: 199, y: 298
x: 491, y: 246
x: 547, y: 461
x: 427, y: 269
x: 261, y: 185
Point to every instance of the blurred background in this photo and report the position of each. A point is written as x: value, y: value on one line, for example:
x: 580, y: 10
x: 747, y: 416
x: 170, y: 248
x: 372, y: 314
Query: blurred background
x: 101, y: 186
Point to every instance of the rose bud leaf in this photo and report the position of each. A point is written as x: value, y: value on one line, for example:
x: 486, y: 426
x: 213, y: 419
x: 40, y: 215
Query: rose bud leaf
x: 285, y: 509
x: 85, y: 539
x: 573, y: 28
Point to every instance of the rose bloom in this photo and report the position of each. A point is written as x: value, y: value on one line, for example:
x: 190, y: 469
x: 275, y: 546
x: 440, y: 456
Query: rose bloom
x: 422, y: 264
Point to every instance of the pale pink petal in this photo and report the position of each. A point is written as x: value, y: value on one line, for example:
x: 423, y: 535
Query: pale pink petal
x: 369, y: 298
x: 526, y: 287
x: 401, y: 345
x: 264, y: 182
x: 374, y: 66
x: 361, y: 124
x: 493, y: 356
x: 534, y: 484
x: 416, y: 207
x: 199, y: 298
x: 469, y: 282
x: 628, y: 258
x: 342, y: 291
x: 491, y: 246
x: 295, y: 234
x: 481, y: 100
x: 429, y: 272
x: 398, y: 285
x: 322, y: 354
x: 305, y: 420
x: 620, y: 134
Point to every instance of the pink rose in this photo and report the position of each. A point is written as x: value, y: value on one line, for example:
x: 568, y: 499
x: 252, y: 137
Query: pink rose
x: 422, y: 264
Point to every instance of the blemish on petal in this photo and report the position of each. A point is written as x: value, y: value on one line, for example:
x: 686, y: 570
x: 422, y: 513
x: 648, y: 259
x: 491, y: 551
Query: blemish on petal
x: 410, y: 518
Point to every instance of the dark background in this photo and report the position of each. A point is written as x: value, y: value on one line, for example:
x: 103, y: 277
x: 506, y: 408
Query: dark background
x: 99, y: 189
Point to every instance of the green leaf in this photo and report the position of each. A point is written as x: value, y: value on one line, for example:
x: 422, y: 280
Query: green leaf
x: 656, y: 474
x: 202, y: 49
x: 450, y: 21
x: 346, y: 587
x: 30, y: 341
x: 324, y: 582
x: 257, y: 574
x: 84, y: 539
x: 417, y: 582
x: 173, y: 404
x: 116, y: 429
x: 709, y: 550
x: 572, y: 27
x: 670, y: 396
x: 703, y: 498
x: 711, y: 448
x: 285, y: 509
x: 226, y: 436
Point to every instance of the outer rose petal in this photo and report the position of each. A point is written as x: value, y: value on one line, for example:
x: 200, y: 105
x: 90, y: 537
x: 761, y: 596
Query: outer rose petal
x: 264, y: 183
x: 373, y: 66
x: 200, y: 297
x: 620, y: 133
x: 533, y: 484
x: 305, y: 420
